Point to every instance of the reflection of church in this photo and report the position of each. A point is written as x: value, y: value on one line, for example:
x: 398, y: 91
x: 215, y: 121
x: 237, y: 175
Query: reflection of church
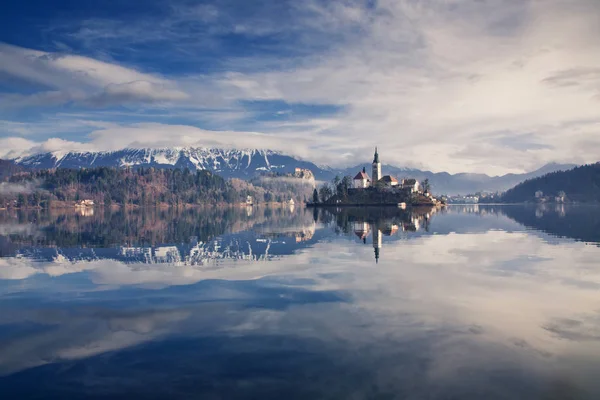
x: 380, y: 227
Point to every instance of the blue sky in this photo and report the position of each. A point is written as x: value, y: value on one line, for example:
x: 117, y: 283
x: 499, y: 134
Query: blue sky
x: 493, y: 86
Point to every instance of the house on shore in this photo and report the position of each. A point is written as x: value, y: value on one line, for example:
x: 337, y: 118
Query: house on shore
x: 85, y: 203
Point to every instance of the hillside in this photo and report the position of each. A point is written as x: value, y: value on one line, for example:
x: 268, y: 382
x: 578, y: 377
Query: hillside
x: 580, y: 184
x: 139, y: 187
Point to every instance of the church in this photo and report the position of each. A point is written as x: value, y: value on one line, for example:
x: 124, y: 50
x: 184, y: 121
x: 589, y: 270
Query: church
x: 362, y: 180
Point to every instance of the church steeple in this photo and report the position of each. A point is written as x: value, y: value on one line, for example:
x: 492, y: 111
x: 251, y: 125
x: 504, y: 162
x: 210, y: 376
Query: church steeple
x: 376, y: 168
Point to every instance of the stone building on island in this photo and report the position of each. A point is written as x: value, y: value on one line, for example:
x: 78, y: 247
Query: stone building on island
x: 363, y: 181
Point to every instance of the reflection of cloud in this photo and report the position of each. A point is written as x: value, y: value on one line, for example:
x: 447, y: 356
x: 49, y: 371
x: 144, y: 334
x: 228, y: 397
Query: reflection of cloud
x: 16, y: 268
x: 586, y: 328
x: 513, y: 286
x: 111, y: 272
x: 435, y: 308
x: 71, y: 337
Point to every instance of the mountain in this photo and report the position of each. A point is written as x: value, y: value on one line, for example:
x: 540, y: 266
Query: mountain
x: 580, y: 184
x: 242, y: 164
x: 246, y: 164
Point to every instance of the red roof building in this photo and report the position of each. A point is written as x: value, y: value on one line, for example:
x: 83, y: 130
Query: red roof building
x: 362, y: 180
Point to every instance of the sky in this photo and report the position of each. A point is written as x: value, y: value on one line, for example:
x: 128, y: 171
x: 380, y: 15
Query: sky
x: 492, y: 86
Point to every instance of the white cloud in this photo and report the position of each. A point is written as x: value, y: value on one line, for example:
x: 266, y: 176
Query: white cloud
x: 155, y: 135
x: 427, y: 81
x: 135, y: 91
x: 13, y: 188
x: 430, y: 78
x: 80, y: 79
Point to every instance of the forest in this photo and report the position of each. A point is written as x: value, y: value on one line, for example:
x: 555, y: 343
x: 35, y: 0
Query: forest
x: 580, y: 184
x: 140, y: 187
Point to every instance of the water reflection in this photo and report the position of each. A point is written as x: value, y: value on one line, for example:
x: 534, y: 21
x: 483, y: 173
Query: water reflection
x: 377, y: 222
x: 465, y: 303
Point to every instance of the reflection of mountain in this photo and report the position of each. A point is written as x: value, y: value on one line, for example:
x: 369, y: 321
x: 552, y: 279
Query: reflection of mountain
x: 579, y: 222
x: 377, y: 222
x: 244, y: 246
x: 145, y: 227
x: 188, y: 237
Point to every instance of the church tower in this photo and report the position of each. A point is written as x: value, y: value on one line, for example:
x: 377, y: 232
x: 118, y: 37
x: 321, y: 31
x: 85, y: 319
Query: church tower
x: 376, y: 176
x: 376, y: 242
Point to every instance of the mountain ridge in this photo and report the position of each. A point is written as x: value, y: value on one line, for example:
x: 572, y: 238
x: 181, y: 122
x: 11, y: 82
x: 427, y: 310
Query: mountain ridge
x: 247, y: 163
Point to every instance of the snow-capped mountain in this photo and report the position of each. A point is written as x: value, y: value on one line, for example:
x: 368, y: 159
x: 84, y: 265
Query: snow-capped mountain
x: 227, y: 163
x: 245, y: 164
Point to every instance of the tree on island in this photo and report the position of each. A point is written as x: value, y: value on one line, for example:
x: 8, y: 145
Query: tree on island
x: 346, y: 185
x: 325, y: 192
x: 426, y: 186
x: 315, y: 198
x: 342, y: 185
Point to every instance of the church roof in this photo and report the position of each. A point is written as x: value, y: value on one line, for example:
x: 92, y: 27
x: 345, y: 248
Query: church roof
x: 361, y: 175
x: 389, y: 178
x: 376, y: 156
x: 409, y: 181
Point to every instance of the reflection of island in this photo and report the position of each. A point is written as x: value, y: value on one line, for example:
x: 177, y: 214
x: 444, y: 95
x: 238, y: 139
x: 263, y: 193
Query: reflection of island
x: 377, y: 222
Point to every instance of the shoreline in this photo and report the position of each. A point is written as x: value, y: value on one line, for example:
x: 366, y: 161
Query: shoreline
x: 327, y: 205
x: 163, y: 206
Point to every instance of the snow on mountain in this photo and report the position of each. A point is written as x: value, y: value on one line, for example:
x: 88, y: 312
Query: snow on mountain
x: 247, y: 163
x: 228, y: 163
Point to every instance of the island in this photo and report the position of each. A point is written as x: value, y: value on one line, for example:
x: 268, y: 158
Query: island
x: 379, y: 190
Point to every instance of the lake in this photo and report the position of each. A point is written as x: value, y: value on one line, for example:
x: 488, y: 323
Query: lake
x: 467, y: 302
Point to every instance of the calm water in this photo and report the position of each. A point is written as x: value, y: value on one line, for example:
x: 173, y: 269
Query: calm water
x: 466, y: 303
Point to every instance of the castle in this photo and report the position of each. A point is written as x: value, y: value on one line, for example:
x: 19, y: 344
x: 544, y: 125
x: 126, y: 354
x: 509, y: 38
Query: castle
x: 362, y: 180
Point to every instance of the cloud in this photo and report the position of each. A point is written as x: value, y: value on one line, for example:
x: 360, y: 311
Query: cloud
x: 155, y: 135
x: 16, y: 147
x: 13, y: 188
x: 73, y: 78
x: 428, y: 81
x: 138, y: 91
